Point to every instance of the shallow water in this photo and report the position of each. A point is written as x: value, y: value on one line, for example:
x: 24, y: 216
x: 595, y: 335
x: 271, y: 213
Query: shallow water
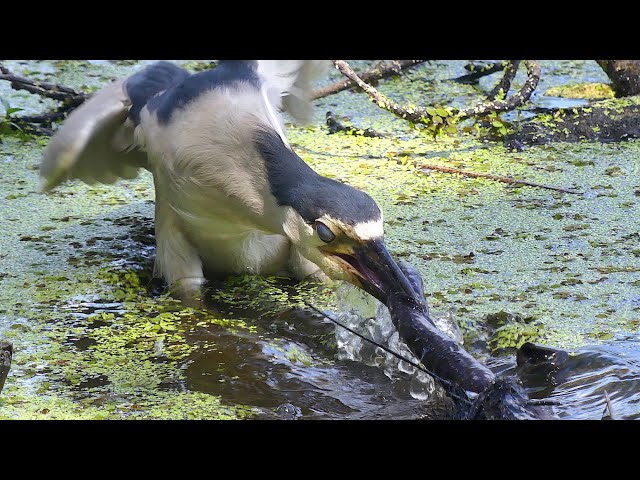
x: 579, y: 384
x: 576, y: 387
x: 96, y: 337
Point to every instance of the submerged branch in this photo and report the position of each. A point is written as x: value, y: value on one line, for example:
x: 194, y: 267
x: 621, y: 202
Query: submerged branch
x: 336, y: 126
x: 479, y: 71
x: 378, y: 72
x: 517, y: 99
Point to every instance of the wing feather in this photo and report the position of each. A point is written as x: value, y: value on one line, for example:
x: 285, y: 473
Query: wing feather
x: 84, y: 146
x: 293, y: 80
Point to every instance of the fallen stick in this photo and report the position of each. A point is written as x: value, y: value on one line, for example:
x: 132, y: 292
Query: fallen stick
x: 45, y: 89
x: 452, y: 170
x: 496, y: 178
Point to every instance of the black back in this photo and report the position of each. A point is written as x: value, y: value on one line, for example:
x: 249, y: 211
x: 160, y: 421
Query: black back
x: 144, y: 84
x: 226, y: 73
x: 297, y: 185
x: 181, y: 87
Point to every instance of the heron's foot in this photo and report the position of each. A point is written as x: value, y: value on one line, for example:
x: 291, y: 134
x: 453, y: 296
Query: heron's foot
x: 190, y: 291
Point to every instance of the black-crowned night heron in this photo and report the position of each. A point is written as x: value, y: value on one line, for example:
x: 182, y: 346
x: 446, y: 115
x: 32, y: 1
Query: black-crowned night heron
x: 231, y: 195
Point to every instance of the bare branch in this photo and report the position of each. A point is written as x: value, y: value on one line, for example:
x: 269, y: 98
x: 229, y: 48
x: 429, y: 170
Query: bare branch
x: 417, y: 114
x: 70, y: 97
x: 376, y: 73
x: 505, y: 83
x: 517, y: 99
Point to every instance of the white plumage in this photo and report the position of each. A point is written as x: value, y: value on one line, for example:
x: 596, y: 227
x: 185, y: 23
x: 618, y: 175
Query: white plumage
x: 213, y: 205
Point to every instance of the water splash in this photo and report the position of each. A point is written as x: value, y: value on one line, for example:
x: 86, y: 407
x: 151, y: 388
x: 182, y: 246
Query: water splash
x: 367, y: 316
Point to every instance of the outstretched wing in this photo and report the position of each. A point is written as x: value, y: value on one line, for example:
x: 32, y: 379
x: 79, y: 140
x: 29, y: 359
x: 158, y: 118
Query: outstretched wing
x: 292, y: 80
x: 96, y: 143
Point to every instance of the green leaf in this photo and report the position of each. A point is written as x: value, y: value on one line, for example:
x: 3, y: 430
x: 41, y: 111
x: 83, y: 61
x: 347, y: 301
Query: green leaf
x: 13, y: 110
x: 431, y: 111
x: 442, y: 112
x: 496, y: 124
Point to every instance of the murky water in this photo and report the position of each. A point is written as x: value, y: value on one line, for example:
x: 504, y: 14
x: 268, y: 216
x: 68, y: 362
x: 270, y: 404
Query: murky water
x: 287, y: 369
x: 581, y: 381
x: 361, y: 381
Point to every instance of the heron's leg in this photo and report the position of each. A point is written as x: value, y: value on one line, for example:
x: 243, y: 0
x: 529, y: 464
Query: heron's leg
x: 301, y: 268
x: 177, y: 260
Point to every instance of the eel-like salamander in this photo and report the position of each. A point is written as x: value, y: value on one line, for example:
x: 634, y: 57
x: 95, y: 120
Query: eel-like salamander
x: 476, y: 391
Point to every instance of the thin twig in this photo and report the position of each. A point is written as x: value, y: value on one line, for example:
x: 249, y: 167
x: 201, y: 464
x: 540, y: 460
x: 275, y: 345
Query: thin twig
x: 608, y: 408
x: 419, y: 366
x: 376, y: 73
x: 497, y: 178
x: 504, y: 85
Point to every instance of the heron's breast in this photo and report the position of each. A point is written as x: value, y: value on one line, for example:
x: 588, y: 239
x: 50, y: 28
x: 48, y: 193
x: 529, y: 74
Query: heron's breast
x: 230, y: 248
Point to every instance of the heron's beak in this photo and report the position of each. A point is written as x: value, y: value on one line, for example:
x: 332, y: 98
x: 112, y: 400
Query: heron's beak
x: 377, y: 273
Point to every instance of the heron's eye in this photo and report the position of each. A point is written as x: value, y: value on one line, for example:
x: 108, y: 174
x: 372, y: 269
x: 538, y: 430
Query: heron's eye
x: 324, y: 233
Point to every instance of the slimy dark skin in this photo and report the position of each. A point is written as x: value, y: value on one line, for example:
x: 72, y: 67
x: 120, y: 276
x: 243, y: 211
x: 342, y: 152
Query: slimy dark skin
x: 457, y: 371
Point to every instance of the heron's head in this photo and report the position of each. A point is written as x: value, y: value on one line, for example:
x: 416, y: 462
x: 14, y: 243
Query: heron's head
x: 335, y: 226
